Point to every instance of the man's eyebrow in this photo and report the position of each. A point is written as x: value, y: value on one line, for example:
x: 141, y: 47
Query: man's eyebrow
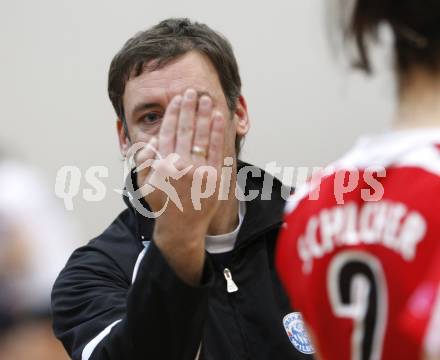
x: 201, y: 93
x: 145, y: 106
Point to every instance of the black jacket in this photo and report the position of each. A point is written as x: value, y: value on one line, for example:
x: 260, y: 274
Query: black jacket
x: 100, y: 313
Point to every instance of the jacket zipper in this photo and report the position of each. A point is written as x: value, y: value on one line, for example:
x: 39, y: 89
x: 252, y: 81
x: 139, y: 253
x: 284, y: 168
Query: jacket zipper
x: 231, y: 286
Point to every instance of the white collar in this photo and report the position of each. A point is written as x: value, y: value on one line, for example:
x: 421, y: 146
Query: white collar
x: 217, y: 244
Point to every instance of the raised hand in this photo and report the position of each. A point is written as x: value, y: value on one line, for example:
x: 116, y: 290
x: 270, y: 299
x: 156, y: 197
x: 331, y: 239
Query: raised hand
x: 190, y: 144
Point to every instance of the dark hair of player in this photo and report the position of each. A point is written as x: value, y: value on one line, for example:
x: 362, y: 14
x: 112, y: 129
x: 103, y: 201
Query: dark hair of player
x: 416, y: 28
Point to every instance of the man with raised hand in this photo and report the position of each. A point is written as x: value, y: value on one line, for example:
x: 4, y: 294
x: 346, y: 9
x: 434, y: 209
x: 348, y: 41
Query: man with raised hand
x: 198, y: 280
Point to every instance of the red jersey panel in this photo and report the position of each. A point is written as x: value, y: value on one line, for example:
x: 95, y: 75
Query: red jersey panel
x: 361, y: 245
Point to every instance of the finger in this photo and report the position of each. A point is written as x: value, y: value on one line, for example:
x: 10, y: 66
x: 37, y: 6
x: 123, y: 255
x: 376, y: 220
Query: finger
x: 216, y: 141
x: 185, y: 126
x: 202, y: 128
x: 167, y: 133
x: 144, y: 159
x: 145, y: 156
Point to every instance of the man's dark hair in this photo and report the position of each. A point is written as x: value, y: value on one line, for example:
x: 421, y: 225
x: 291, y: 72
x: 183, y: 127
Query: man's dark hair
x: 165, y: 42
x: 416, y: 26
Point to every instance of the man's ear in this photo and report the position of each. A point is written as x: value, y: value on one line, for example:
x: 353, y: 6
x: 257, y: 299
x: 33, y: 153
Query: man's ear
x: 124, y: 143
x: 242, y: 117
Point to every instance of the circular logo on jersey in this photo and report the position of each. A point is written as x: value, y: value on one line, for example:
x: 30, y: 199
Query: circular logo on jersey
x: 297, y: 333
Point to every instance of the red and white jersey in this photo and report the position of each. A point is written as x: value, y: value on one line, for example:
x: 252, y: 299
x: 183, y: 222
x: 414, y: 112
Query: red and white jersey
x: 359, y: 254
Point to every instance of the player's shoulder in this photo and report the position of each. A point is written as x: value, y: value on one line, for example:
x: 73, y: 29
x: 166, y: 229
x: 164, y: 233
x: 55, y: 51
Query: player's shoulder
x: 411, y: 153
x: 417, y: 149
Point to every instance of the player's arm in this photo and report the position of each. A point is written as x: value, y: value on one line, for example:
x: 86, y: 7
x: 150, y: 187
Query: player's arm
x: 420, y: 320
x: 431, y: 340
x: 428, y: 357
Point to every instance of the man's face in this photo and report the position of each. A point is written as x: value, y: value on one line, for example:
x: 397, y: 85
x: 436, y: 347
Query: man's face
x: 147, y: 96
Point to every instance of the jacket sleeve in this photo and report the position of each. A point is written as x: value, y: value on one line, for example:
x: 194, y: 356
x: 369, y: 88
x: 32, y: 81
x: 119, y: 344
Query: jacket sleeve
x: 99, y: 315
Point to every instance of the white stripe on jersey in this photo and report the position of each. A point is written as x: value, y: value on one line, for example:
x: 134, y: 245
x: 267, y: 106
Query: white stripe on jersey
x: 426, y: 158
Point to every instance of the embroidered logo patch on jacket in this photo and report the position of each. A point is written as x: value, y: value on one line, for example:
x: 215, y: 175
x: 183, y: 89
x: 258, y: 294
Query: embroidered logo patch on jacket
x: 297, y: 333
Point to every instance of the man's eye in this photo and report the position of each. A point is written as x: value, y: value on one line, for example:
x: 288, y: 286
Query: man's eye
x: 152, y: 117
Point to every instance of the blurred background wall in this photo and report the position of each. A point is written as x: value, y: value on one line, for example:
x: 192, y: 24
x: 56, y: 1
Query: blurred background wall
x: 306, y: 106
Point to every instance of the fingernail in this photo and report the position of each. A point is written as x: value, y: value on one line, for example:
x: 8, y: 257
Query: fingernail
x: 177, y: 100
x: 190, y: 94
x: 204, y: 102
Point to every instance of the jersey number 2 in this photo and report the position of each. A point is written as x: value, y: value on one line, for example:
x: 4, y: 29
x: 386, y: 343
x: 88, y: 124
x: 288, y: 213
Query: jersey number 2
x: 357, y: 290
